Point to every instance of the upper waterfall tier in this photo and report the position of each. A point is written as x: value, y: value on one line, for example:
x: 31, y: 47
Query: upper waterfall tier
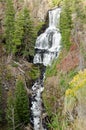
x: 48, y: 43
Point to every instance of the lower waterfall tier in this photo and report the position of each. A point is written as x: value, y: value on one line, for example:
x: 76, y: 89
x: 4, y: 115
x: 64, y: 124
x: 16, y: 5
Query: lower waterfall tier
x: 47, y: 46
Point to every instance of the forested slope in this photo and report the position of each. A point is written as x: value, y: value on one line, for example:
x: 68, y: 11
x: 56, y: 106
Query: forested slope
x: 65, y: 82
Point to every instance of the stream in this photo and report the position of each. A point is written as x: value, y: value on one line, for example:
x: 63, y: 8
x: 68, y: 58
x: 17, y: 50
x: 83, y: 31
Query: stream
x: 47, y: 48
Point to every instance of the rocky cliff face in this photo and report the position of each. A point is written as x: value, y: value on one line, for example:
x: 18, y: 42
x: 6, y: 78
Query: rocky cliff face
x: 38, y: 8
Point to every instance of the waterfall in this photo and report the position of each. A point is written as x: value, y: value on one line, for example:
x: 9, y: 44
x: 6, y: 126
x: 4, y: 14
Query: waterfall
x: 48, y: 43
x: 47, y: 48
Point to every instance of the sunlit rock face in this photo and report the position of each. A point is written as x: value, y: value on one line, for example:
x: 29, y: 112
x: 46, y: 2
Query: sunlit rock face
x: 39, y: 8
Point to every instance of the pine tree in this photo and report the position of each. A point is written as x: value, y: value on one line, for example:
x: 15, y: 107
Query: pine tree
x: 29, y: 34
x: 66, y: 24
x: 24, y: 35
x: 21, y: 103
x: 9, y: 25
x: 10, y: 113
x: 17, y: 112
x: 19, y: 32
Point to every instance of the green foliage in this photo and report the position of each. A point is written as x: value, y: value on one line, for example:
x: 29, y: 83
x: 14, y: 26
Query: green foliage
x: 20, y: 33
x: 51, y: 70
x: 39, y: 26
x: 29, y: 35
x: 24, y: 35
x: 21, y: 103
x: 34, y: 73
x: 65, y: 79
x: 58, y: 123
x: 75, y: 97
x: 56, y: 2
x: 61, y: 79
x: 10, y: 112
x: 66, y: 24
x: 80, y: 10
x: 17, y: 107
x: 9, y: 24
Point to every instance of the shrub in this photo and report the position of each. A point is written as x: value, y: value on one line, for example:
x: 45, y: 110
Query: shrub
x: 78, y: 82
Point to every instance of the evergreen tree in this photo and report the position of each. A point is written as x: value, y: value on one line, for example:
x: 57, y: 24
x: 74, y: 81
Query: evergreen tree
x: 10, y: 113
x: 24, y: 35
x: 29, y: 34
x: 17, y: 107
x: 21, y: 103
x: 66, y: 24
x: 19, y: 32
x: 9, y: 25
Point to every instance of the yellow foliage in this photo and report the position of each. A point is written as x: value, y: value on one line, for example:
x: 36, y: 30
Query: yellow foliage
x: 79, y: 81
x: 68, y: 91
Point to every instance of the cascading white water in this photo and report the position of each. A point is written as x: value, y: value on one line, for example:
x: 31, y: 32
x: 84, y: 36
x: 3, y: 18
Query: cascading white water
x: 48, y: 43
x: 47, y: 49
